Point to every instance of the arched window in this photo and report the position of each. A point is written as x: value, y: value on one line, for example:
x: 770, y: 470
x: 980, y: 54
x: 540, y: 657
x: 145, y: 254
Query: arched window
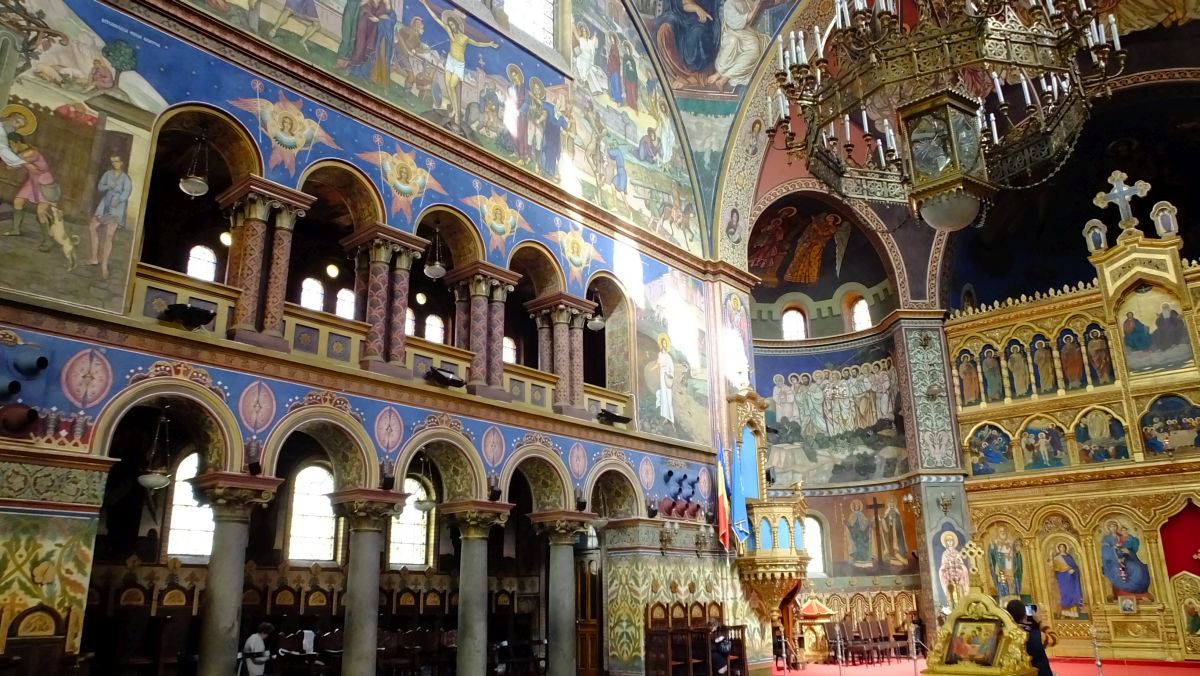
x: 202, y: 263
x: 410, y: 530
x: 860, y: 314
x: 190, y: 528
x: 510, y: 350
x: 312, y: 529
x: 346, y: 303
x: 536, y: 17
x: 435, y: 329
x: 795, y: 324
x: 312, y: 294
x: 410, y: 322
x: 814, y: 544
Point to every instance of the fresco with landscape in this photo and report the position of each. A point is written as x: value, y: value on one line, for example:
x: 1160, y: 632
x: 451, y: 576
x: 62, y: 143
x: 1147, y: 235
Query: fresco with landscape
x: 835, y: 414
x: 868, y: 534
x: 605, y: 134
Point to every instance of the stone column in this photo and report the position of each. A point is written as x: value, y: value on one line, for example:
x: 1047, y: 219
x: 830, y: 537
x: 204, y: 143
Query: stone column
x: 576, y: 364
x: 281, y: 260
x: 462, y: 316
x: 380, y: 256
x: 561, y: 317
x: 561, y: 528
x: 367, y: 513
x: 251, y: 258
x: 545, y: 341
x: 232, y: 497
x: 361, y: 268
x: 479, y: 288
x: 495, y: 361
x: 233, y: 263
x: 475, y: 519
x: 401, y: 265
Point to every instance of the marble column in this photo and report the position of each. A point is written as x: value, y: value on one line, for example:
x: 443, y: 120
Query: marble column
x: 495, y: 361
x: 561, y: 529
x: 232, y: 497
x: 474, y: 523
x: 380, y: 253
x: 251, y: 259
x: 479, y: 288
x: 281, y: 260
x: 362, y: 267
x: 367, y: 514
x: 401, y: 266
x: 233, y: 263
x: 545, y: 341
x: 576, y: 364
x: 561, y: 317
x: 462, y: 315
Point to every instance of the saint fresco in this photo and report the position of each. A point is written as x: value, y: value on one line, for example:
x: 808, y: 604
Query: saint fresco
x: 1122, y: 561
x: 1044, y: 445
x: 1068, y: 582
x: 1171, y: 423
x: 989, y: 451
x: 870, y: 534
x: 1154, y: 332
x: 1101, y: 437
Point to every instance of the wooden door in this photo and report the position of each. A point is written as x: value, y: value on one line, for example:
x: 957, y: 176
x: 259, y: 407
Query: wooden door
x: 589, y: 659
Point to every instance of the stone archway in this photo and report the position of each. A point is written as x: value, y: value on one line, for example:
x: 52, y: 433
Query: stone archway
x: 445, y: 442
x: 327, y: 420
x: 549, y: 481
x: 613, y: 492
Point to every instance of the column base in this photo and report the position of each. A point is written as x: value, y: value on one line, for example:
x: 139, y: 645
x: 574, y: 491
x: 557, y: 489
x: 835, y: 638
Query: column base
x: 574, y: 412
x: 489, y: 392
x: 260, y: 339
x: 387, y: 368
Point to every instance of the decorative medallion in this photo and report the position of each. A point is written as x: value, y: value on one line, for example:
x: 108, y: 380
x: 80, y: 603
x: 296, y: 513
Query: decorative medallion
x: 493, y: 446
x: 646, y: 473
x: 256, y: 407
x: 578, y: 460
x: 86, y: 378
x: 389, y: 429
x: 704, y: 483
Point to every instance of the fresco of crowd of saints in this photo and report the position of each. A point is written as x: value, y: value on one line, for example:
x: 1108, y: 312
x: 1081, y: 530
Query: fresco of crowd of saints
x: 989, y: 451
x: 604, y: 134
x: 672, y: 357
x: 72, y: 117
x: 1154, y: 332
x: 1170, y: 425
x: 837, y: 424
x: 875, y: 537
x: 1031, y: 368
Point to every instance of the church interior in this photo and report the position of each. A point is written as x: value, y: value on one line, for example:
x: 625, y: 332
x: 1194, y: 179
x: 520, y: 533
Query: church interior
x: 559, y: 337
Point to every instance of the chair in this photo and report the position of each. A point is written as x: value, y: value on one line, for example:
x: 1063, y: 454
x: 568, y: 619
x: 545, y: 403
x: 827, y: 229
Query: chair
x: 737, y: 651
x: 37, y: 645
x: 296, y: 659
x: 853, y: 646
x: 888, y: 646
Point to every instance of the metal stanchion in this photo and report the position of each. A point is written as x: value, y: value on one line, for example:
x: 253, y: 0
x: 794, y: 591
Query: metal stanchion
x: 1096, y: 650
x: 838, y: 626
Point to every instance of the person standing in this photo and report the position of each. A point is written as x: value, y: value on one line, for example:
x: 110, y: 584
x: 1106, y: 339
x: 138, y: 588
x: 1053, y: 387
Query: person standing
x: 116, y: 187
x: 254, y: 652
x: 1033, y: 641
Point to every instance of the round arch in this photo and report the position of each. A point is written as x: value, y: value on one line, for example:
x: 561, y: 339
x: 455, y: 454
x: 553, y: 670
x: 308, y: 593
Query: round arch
x: 343, y: 438
x: 456, y: 459
x: 549, y: 480
x: 225, y: 452
x: 362, y: 198
x: 1014, y: 526
x: 615, y: 468
x: 540, y: 266
x: 230, y: 139
x: 461, y: 239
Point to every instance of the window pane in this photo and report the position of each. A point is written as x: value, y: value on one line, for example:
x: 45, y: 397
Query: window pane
x: 312, y: 534
x: 202, y: 263
x: 794, y: 325
x: 510, y: 350
x: 814, y: 545
x: 191, y: 526
x: 535, y: 17
x: 346, y: 303
x: 410, y: 530
x: 435, y: 329
x: 410, y: 322
x: 860, y: 315
x: 312, y: 294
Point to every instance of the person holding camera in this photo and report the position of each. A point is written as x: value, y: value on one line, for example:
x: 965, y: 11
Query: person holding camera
x: 1033, y: 641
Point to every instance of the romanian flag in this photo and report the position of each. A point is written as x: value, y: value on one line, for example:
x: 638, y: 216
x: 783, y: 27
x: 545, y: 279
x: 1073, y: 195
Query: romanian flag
x: 722, y: 497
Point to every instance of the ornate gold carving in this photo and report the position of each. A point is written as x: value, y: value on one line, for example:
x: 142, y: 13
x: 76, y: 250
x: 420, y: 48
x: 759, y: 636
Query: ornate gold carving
x: 475, y: 518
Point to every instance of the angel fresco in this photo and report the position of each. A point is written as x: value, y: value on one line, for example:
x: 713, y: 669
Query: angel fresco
x: 500, y: 220
x: 806, y: 266
x: 289, y: 130
x: 403, y: 177
x: 578, y: 252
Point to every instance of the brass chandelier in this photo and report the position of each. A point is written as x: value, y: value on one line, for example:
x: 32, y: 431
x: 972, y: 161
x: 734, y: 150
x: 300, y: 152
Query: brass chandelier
x: 967, y: 98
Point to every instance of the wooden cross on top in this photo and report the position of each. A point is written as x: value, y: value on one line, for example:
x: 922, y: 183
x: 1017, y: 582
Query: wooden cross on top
x: 1120, y: 196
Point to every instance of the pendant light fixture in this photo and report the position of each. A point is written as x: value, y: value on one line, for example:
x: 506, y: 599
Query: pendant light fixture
x: 435, y: 269
x: 427, y: 503
x: 195, y: 182
x: 156, y: 476
x: 596, y: 321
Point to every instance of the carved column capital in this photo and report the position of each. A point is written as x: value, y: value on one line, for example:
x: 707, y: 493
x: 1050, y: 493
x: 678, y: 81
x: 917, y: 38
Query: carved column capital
x: 233, y: 496
x: 500, y: 292
x: 561, y: 527
x: 405, y: 258
x: 475, y: 518
x: 479, y: 285
x: 380, y: 250
x: 365, y: 509
x: 286, y: 215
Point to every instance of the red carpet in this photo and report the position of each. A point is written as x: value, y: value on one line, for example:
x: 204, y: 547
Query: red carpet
x: 1061, y: 668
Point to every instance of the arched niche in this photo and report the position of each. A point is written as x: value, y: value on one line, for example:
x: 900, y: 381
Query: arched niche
x: 454, y: 242
x: 613, y: 492
x: 191, y: 138
x: 455, y: 458
x: 614, y: 340
x: 541, y: 275
x: 809, y: 248
x: 340, y: 436
x: 549, y: 481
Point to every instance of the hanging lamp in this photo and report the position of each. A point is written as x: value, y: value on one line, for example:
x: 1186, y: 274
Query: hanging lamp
x: 425, y: 504
x: 435, y: 269
x: 596, y: 321
x: 156, y: 476
x: 195, y: 182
